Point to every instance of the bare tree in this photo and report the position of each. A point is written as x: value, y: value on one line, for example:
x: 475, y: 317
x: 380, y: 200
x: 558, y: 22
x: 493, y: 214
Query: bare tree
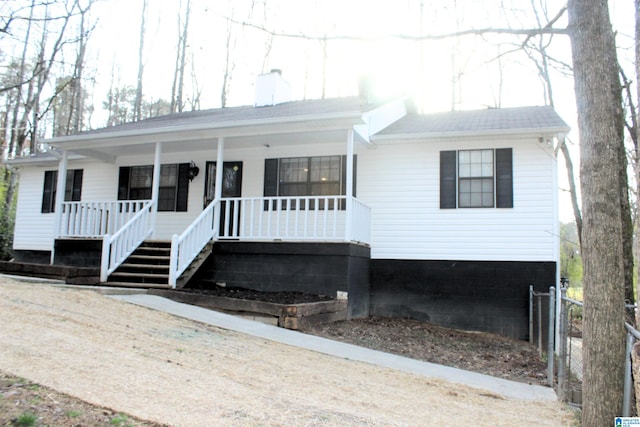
x: 120, y: 104
x: 138, y: 101
x: 177, y: 103
x: 229, y: 62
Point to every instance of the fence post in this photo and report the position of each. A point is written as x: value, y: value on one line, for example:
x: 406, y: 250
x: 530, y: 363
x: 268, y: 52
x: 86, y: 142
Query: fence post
x: 104, y: 260
x: 562, y: 347
x: 626, y: 401
x: 531, y: 314
x: 551, y: 334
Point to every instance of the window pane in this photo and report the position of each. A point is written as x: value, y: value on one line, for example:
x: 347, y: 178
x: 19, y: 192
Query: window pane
x: 464, y: 200
x: 464, y: 170
x: 487, y: 156
x: 476, y: 156
x: 140, y: 194
x: 141, y: 177
x: 476, y: 169
x: 294, y: 170
x: 167, y: 199
x: 476, y: 193
x: 312, y: 176
x: 487, y: 200
x: 168, y: 175
x: 68, y: 186
x: 476, y: 178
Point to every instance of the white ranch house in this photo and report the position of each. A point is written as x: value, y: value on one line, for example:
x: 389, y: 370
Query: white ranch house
x: 443, y: 217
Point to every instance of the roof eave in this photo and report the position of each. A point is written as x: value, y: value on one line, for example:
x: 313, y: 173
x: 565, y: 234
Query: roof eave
x: 466, y: 134
x: 40, y: 159
x: 74, y: 141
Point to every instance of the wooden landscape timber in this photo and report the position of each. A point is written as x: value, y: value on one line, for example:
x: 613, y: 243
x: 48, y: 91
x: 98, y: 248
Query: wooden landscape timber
x: 290, y: 316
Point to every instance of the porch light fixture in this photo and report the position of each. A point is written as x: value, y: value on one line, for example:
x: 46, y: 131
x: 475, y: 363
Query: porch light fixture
x: 193, y: 171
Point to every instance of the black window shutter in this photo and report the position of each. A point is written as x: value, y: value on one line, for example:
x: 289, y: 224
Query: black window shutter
x: 76, y: 192
x: 447, y: 180
x: 504, y: 178
x: 123, y: 183
x: 182, y: 196
x: 270, y: 177
x: 48, y: 192
x: 270, y: 180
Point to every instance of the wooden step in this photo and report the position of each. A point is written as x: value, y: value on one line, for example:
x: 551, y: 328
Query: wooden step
x: 136, y: 266
x: 139, y: 275
x: 137, y: 285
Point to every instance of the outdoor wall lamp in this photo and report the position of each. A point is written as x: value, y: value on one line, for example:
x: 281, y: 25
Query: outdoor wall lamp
x: 193, y: 170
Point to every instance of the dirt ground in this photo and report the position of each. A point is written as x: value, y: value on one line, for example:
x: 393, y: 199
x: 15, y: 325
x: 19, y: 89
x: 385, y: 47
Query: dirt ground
x: 120, y: 364
x: 473, y: 351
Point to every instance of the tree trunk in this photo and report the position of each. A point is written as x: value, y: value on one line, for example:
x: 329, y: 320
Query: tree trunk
x: 572, y: 189
x: 183, y: 58
x: 137, y: 113
x: 598, y: 99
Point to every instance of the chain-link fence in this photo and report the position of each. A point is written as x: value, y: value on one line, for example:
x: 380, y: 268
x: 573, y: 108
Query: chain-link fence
x: 569, y: 349
x: 542, y: 325
x: 569, y: 354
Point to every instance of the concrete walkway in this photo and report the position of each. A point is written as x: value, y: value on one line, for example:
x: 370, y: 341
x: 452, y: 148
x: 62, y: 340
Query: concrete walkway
x: 506, y: 388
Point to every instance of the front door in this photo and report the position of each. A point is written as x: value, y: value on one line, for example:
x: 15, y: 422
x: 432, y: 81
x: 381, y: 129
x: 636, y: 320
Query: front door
x: 231, y: 187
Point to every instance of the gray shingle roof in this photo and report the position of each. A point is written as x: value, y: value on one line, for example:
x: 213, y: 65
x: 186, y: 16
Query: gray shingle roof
x: 237, y: 115
x: 478, y: 121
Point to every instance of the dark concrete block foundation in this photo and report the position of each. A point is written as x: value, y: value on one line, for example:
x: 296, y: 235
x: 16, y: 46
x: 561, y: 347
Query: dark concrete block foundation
x: 316, y: 268
x: 78, y: 252
x: 473, y: 295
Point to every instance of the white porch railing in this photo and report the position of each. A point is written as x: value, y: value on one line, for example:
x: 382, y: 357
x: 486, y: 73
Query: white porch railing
x: 124, y: 225
x: 185, y: 247
x: 319, y: 218
x: 96, y: 219
x: 360, y: 222
x: 322, y: 218
x: 116, y: 248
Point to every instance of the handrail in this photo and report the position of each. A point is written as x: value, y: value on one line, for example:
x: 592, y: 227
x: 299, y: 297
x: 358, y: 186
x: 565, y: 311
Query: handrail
x: 116, y: 248
x: 95, y: 218
x: 185, y: 247
x: 307, y: 218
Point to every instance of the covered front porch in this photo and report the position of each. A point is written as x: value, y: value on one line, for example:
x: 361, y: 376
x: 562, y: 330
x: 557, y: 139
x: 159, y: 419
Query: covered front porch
x: 123, y: 225
x: 293, y: 167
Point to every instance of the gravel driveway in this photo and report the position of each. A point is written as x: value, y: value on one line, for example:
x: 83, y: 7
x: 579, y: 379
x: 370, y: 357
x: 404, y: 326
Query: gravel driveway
x: 161, y: 368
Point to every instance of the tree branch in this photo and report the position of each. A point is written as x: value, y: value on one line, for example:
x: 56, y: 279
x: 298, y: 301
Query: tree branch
x: 529, y: 32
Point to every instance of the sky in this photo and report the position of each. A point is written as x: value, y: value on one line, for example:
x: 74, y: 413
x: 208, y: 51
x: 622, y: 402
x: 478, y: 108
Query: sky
x: 450, y: 73
x: 424, y: 70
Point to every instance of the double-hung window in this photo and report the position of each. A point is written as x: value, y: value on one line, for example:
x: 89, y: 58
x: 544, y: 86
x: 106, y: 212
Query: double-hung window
x: 72, y: 193
x: 306, y: 176
x: 476, y: 178
x: 135, y: 183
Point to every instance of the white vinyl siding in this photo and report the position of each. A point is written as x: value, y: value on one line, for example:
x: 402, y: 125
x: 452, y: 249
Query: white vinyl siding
x: 400, y: 182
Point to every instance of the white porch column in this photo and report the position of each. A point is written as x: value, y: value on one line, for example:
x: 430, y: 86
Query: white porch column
x: 218, y: 185
x: 349, y: 190
x: 155, y: 189
x: 61, y: 187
